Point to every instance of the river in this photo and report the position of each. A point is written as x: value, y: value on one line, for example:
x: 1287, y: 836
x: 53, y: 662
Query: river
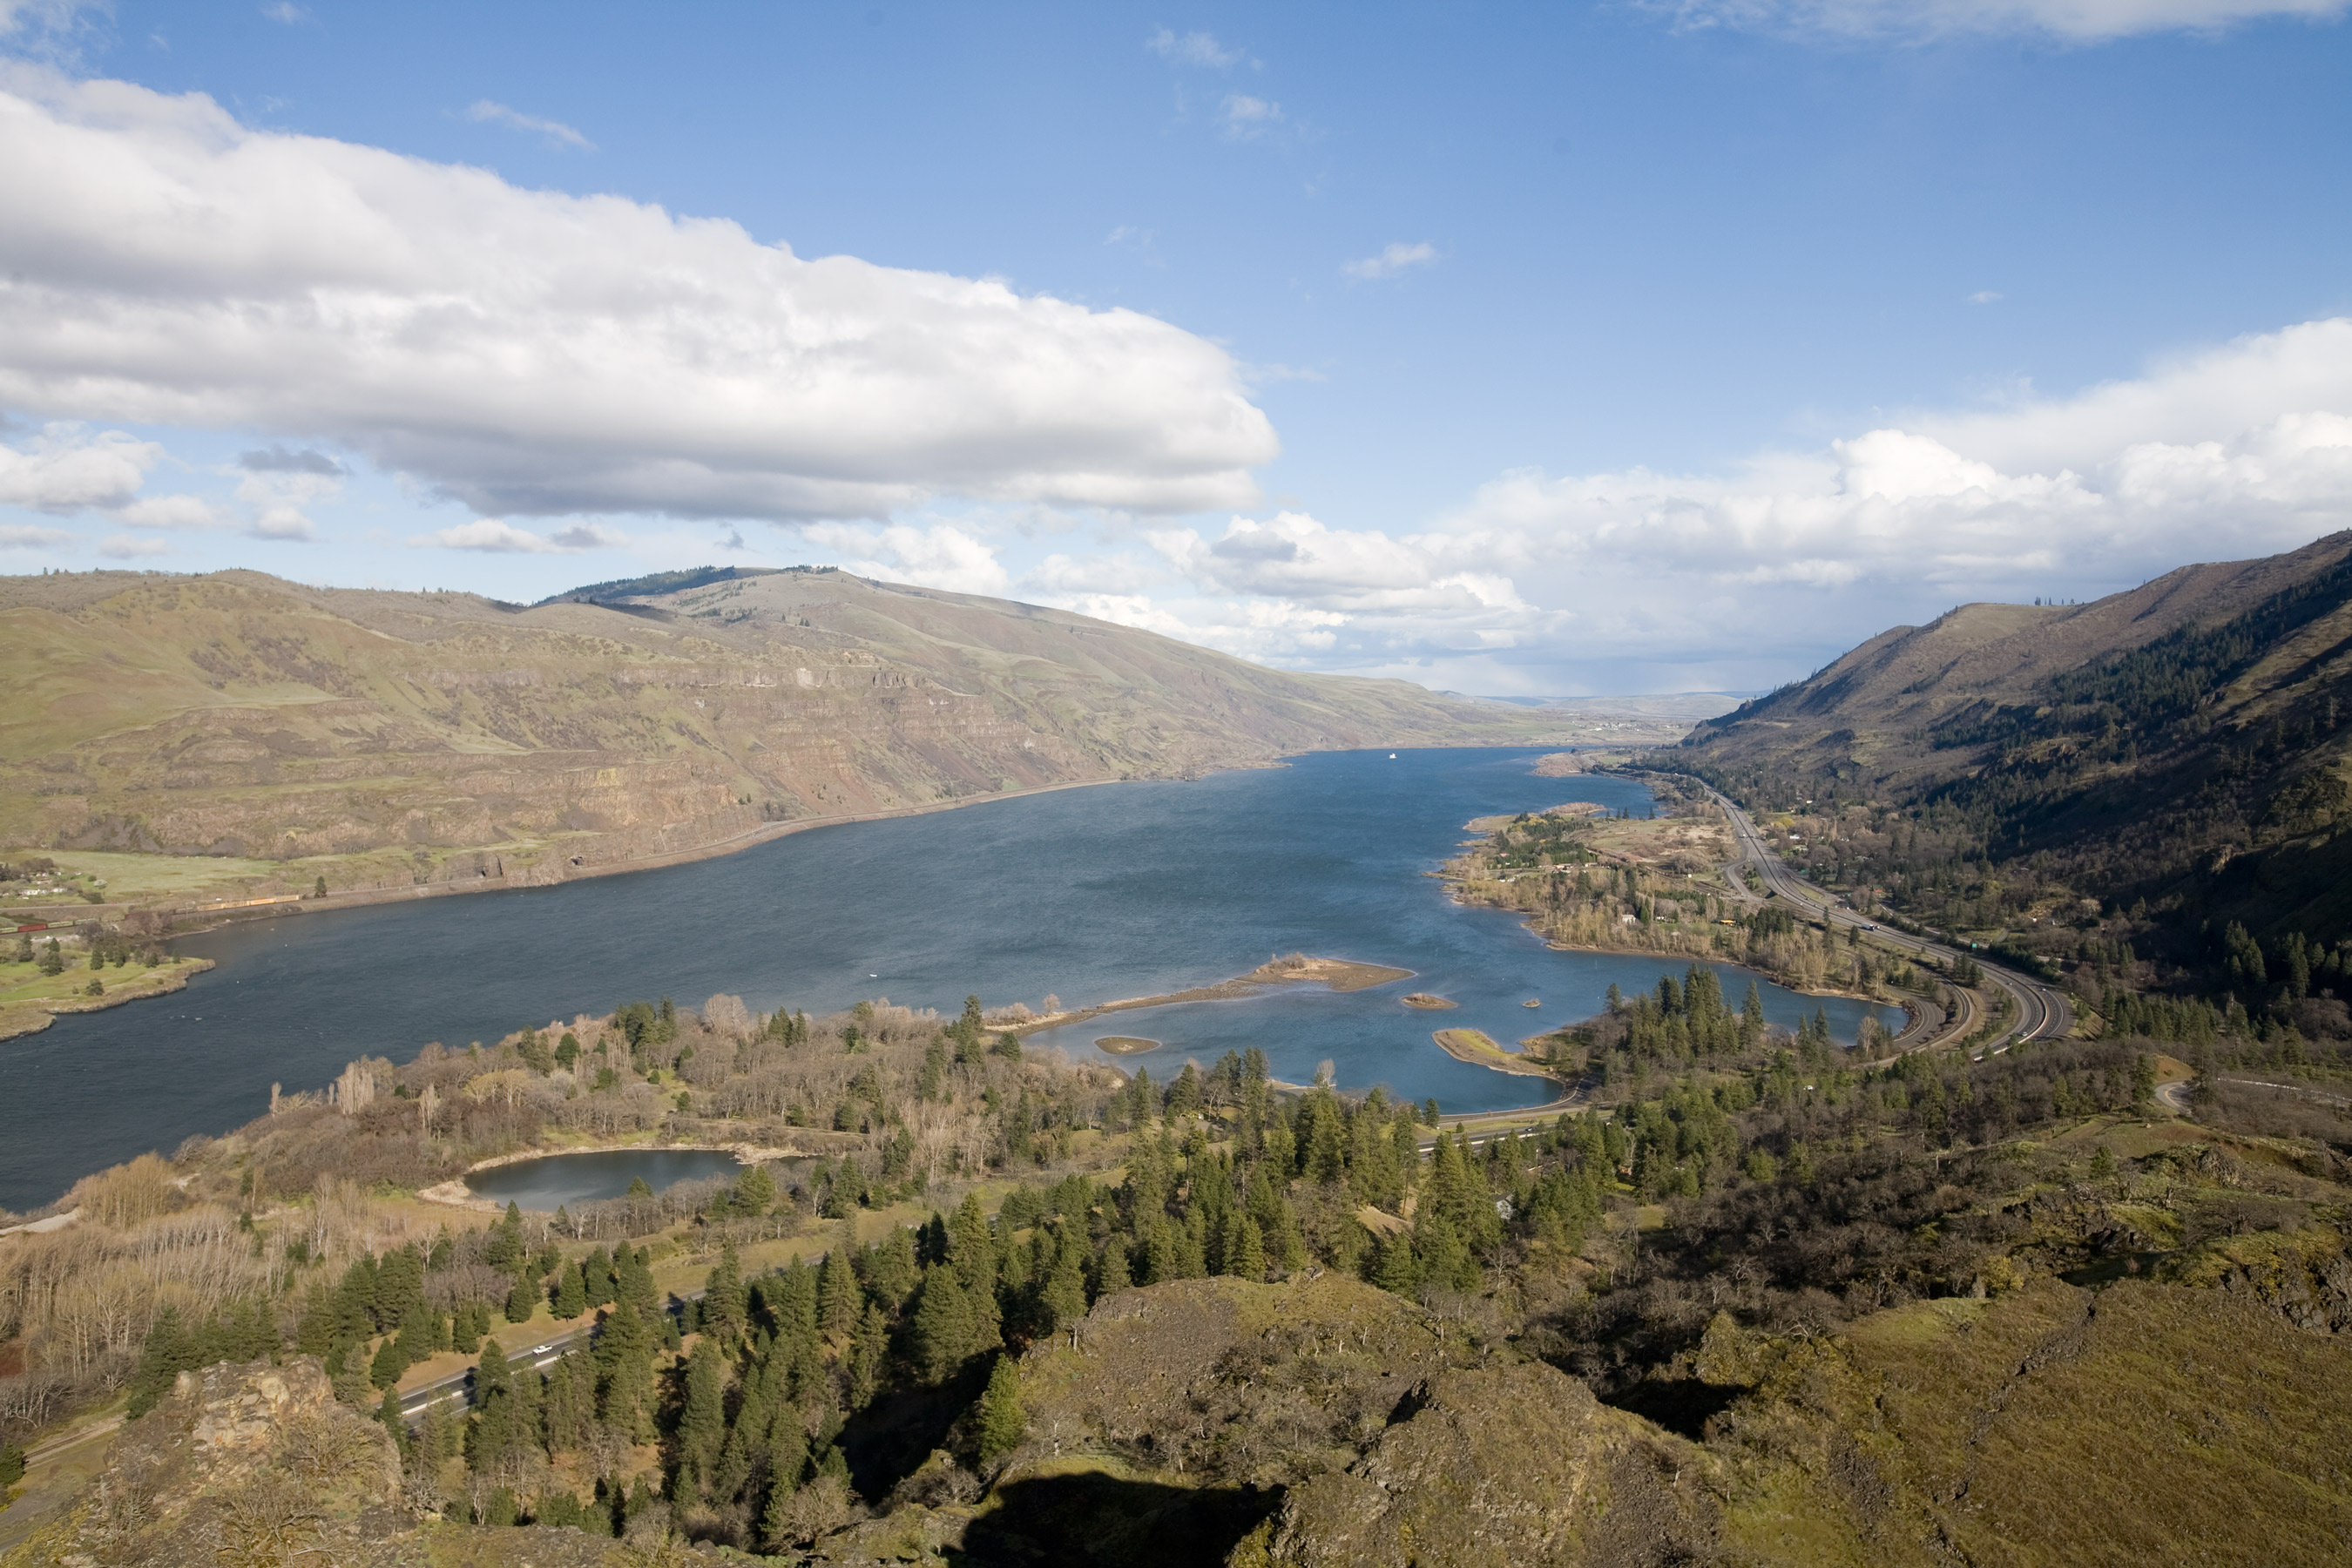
x: 1093, y: 894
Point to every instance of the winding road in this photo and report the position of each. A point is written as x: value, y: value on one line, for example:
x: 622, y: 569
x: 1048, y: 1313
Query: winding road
x: 2042, y: 1012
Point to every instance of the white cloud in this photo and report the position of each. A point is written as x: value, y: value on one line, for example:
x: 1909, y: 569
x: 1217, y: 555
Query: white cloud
x: 286, y: 11
x: 493, y: 536
x: 1246, y: 117
x: 2087, y: 21
x: 1638, y: 580
x: 169, y: 511
x: 20, y: 536
x: 131, y: 547
x: 285, y: 524
x: 1195, y: 49
x: 1984, y: 297
x: 939, y: 556
x: 554, y: 133
x: 536, y: 354
x: 64, y: 470
x: 2243, y: 450
x: 1393, y: 258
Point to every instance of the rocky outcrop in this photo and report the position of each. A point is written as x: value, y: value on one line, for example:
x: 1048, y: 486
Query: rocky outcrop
x: 237, y: 1465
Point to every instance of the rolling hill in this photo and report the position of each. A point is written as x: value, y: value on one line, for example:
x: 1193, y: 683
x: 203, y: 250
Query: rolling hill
x: 2182, y: 744
x: 396, y: 738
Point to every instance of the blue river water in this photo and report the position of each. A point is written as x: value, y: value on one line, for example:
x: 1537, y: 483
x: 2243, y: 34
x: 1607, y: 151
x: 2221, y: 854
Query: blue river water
x: 1094, y: 894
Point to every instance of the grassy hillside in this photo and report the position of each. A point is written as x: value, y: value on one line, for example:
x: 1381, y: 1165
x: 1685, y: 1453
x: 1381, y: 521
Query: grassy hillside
x: 380, y: 738
x: 2178, y: 751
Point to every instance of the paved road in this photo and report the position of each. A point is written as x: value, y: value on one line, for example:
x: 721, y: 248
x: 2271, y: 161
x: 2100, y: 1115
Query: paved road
x: 2042, y: 1012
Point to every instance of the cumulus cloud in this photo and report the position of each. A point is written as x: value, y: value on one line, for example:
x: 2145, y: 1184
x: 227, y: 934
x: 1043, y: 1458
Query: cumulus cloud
x: 21, y: 536
x: 1393, y: 260
x: 535, y: 354
x: 1195, y: 49
x: 554, y: 133
x: 131, y: 547
x: 1638, y: 579
x: 494, y: 536
x: 63, y: 469
x: 170, y: 511
x: 2085, y: 21
x: 942, y: 555
x: 2239, y: 451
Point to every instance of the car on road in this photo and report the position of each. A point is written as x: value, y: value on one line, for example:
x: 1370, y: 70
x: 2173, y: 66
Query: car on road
x: 540, y: 1350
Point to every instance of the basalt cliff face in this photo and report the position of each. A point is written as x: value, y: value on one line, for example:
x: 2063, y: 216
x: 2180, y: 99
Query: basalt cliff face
x: 446, y: 737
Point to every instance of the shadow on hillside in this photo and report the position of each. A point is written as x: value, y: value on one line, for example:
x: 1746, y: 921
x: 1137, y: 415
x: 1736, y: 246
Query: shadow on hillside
x: 1099, y: 1519
x: 1681, y: 1405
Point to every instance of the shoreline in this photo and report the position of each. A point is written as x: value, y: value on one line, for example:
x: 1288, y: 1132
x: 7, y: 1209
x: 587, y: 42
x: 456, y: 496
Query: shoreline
x: 455, y: 1193
x: 18, y: 1019
x: 1335, y: 973
x: 216, y: 917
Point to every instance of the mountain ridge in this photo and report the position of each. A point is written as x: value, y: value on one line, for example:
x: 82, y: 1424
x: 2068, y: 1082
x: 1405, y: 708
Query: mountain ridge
x: 399, y: 738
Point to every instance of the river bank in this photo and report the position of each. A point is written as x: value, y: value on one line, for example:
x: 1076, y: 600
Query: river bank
x: 31, y: 1013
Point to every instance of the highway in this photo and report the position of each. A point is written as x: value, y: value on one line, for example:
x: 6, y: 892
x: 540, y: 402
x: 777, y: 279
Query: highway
x: 2042, y: 1012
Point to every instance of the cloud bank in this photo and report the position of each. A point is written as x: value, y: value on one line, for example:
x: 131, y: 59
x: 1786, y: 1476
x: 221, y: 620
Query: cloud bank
x: 534, y: 353
x: 1550, y: 582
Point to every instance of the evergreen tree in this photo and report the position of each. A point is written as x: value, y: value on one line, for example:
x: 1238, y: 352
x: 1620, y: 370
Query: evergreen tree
x: 1062, y: 1296
x: 702, y: 1423
x: 168, y: 1351
x: 1111, y: 1272
x: 389, y: 1414
x: 836, y: 1287
x: 869, y: 1348
x: 945, y: 1326
x: 570, y: 1297
x: 724, y: 1298
x: 1003, y: 1422
x: 1248, y: 1260
x: 495, y: 1434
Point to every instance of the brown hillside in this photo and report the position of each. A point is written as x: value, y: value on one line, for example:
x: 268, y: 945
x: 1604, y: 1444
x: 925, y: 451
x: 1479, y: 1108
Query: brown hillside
x: 1875, y: 706
x: 441, y: 736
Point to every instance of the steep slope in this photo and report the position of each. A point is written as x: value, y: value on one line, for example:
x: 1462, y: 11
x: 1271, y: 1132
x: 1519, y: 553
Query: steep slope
x: 437, y: 736
x: 2182, y: 744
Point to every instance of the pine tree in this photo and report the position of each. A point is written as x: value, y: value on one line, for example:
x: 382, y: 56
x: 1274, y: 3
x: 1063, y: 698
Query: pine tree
x: 494, y: 1434
x: 724, y: 1299
x: 1003, y: 1422
x: 570, y: 1299
x: 869, y: 1348
x: 1064, y: 1295
x: 837, y: 1288
x: 944, y: 1327
x: 167, y: 1352
x: 389, y: 1412
x: 972, y: 1245
x: 702, y: 1424
x: 1249, y: 1256
x: 1111, y: 1272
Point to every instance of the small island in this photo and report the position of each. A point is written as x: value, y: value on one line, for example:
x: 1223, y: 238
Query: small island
x: 1126, y: 1045
x: 1428, y: 1003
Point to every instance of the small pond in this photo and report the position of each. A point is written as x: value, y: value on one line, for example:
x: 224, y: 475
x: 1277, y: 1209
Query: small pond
x: 549, y: 1182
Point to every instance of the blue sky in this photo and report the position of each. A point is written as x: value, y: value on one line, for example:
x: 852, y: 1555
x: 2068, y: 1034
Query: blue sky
x: 1512, y: 348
